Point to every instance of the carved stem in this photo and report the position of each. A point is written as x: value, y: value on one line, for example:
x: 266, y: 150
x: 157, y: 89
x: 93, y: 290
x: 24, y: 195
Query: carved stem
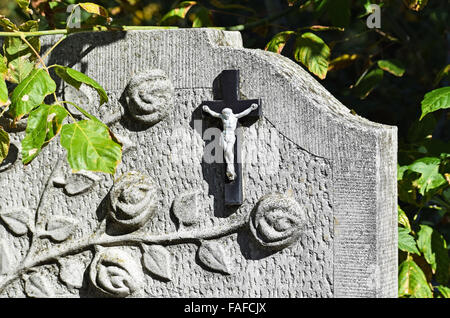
x: 103, y: 239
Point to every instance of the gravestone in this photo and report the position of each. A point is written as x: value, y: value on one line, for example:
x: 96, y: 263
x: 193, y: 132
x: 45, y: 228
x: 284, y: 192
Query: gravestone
x: 318, y: 212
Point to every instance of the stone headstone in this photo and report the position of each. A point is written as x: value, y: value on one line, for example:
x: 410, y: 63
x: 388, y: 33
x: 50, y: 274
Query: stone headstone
x: 318, y: 217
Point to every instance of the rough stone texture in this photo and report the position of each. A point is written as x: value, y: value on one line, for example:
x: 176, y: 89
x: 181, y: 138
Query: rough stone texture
x: 340, y: 168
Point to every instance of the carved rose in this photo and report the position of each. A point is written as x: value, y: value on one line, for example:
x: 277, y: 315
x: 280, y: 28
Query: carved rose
x: 277, y: 221
x: 150, y: 96
x: 132, y: 201
x: 115, y: 273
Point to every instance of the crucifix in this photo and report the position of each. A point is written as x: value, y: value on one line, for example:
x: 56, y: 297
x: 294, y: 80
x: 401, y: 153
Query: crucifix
x: 232, y: 112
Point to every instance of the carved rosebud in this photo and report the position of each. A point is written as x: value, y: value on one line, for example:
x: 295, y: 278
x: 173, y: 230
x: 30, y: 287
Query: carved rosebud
x: 277, y: 221
x: 132, y: 201
x: 114, y: 273
x: 150, y: 96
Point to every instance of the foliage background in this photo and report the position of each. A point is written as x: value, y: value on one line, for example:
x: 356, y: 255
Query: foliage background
x: 382, y: 74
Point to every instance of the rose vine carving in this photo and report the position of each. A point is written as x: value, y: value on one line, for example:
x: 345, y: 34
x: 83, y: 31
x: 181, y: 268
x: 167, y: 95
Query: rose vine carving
x: 276, y: 222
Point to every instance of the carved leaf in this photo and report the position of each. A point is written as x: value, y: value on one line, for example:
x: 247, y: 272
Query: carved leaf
x: 17, y: 220
x: 185, y: 208
x: 80, y: 182
x: 212, y: 255
x: 5, y: 257
x: 37, y: 286
x: 71, y: 272
x: 60, y: 228
x: 157, y: 260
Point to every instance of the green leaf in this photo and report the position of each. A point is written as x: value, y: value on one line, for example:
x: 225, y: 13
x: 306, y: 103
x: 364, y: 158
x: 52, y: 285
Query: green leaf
x: 436, y: 99
x: 44, y: 123
x: 24, y: 5
x: 445, y: 291
x: 31, y: 93
x: 90, y: 146
x: 4, y: 144
x: 312, y: 52
x: 279, y: 41
x: 430, y: 178
x: 424, y: 244
x: 403, y: 219
x: 93, y: 8
x: 434, y: 249
x: 406, y: 242
x: 368, y: 83
x: 75, y: 78
x: 202, y: 18
x: 394, y: 67
x: 179, y: 12
x: 7, y: 25
x: 20, y: 57
x: 412, y: 281
x: 4, y: 98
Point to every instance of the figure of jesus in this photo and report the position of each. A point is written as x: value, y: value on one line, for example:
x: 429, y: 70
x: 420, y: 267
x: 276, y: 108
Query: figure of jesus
x: 228, y: 136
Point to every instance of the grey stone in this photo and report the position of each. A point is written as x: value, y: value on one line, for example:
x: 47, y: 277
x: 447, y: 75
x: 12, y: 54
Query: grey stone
x: 317, y: 178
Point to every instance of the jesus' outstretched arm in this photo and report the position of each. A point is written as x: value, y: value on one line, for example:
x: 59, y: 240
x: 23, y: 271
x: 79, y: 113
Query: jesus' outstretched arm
x: 209, y: 111
x: 247, y: 111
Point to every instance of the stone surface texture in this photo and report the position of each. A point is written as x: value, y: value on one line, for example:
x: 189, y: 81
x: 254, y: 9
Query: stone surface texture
x: 323, y: 179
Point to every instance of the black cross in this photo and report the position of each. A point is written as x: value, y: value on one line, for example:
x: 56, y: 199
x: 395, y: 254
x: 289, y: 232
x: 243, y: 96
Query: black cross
x: 226, y: 92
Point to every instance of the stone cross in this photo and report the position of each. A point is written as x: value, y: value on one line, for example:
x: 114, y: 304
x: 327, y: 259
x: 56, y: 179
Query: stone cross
x: 230, y: 109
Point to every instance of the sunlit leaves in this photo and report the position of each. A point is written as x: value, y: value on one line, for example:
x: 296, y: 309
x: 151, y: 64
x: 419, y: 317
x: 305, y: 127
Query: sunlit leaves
x: 44, y: 124
x: 24, y: 5
x: 180, y: 11
x: 4, y: 98
x: 430, y: 178
x: 435, y: 100
x: 31, y: 93
x: 445, y: 291
x: 406, y: 242
x: 76, y: 78
x: 4, y: 144
x: 92, y: 11
x: 7, y: 25
x: 93, y: 8
x: 434, y: 249
x: 90, y: 147
x: 394, y: 67
x: 412, y: 281
x: 277, y: 43
x: 20, y: 57
x: 312, y: 52
x: 403, y: 219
